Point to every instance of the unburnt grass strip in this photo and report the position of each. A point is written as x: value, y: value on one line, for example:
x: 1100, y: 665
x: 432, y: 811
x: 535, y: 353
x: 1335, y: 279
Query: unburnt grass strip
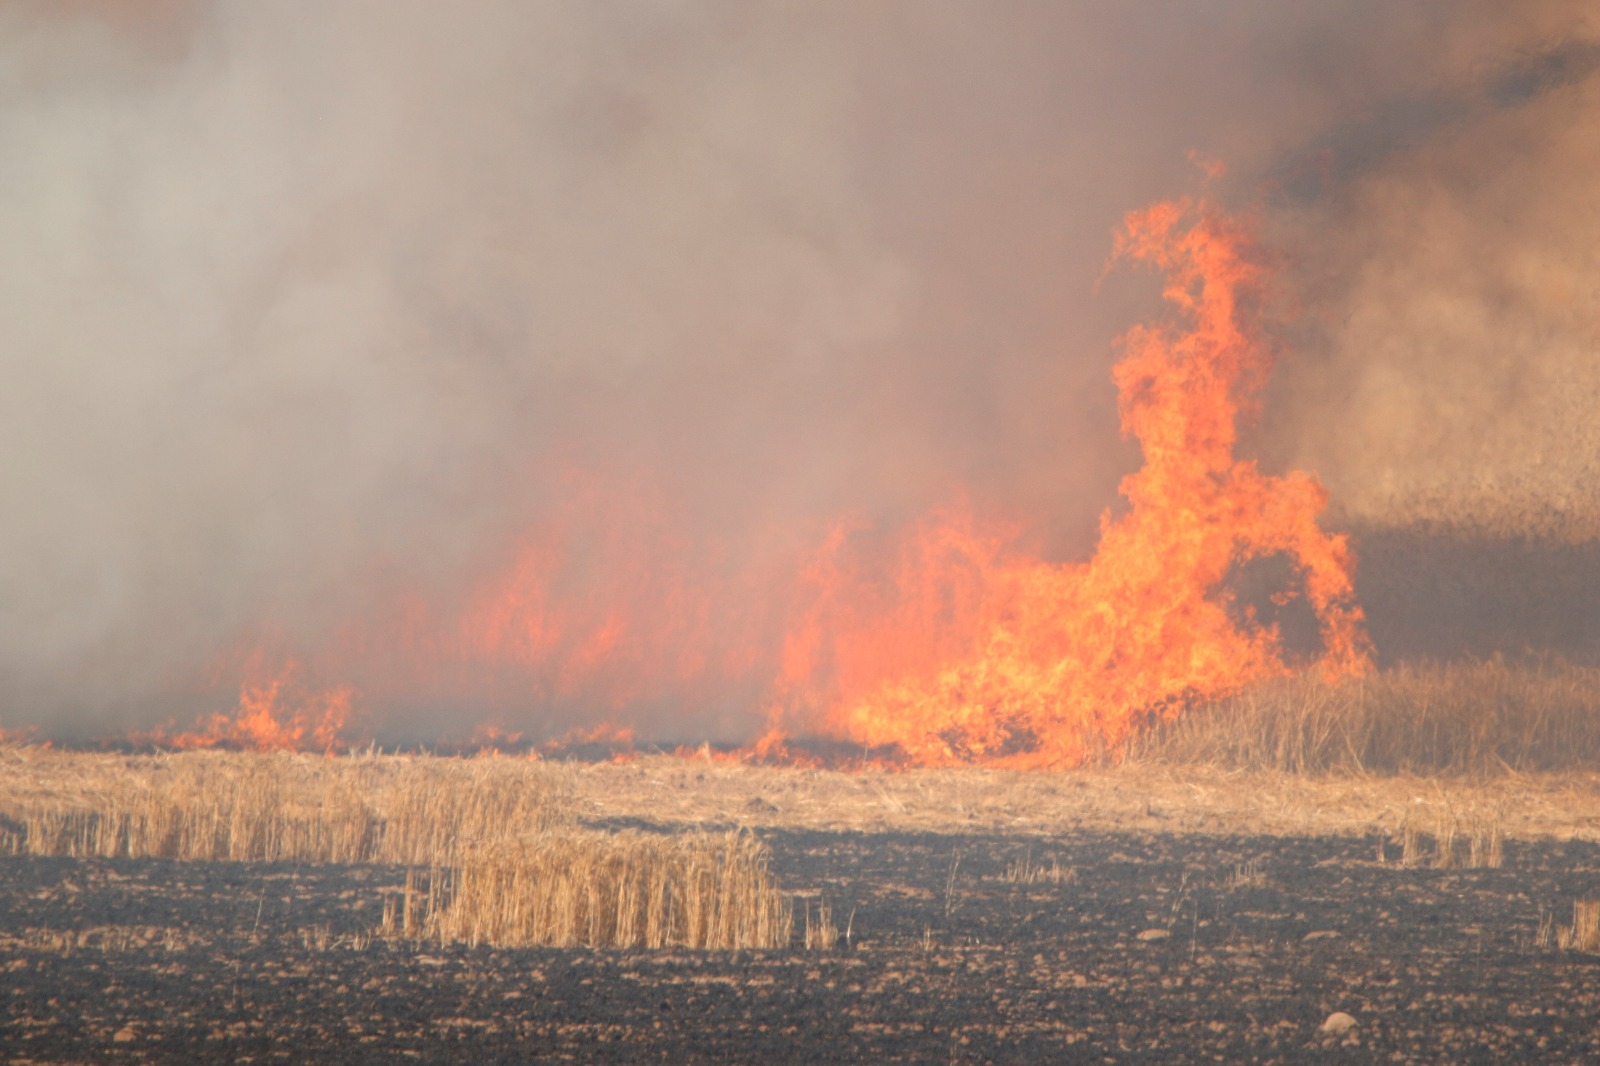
x: 506, y: 864
x: 223, y: 806
x: 1479, y: 717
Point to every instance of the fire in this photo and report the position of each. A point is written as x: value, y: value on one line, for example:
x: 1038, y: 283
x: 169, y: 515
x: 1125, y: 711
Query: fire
x: 26, y: 735
x: 491, y: 739
x: 971, y: 651
x: 947, y: 645
x: 277, y: 714
x: 610, y: 602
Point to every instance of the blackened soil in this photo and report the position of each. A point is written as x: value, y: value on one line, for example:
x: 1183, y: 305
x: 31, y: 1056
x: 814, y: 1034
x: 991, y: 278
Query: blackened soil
x: 1122, y: 948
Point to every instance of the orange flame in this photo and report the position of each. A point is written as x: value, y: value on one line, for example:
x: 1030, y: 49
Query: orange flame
x: 491, y: 739
x: 614, y: 738
x: 972, y: 652
x: 951, y: 645
x: 26, y: 735
x: 279, y: 714
x: 605, y: 605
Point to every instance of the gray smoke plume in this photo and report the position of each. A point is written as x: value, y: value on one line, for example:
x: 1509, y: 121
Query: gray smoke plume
x: 1459, y: 383
x: 309, y: 305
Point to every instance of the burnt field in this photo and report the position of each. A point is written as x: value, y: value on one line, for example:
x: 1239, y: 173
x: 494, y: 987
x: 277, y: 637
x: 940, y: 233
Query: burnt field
x: 1093, y: 945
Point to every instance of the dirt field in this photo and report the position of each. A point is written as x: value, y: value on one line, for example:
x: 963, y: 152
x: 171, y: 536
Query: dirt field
x: 1145, y: 914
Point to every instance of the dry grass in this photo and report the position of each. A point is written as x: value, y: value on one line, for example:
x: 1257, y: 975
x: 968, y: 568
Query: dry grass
x: 1582, y: 935
x: 1482, y: 717
x: 821, y: 934
x: 272, y: 807
x: 1247, y: 874
x: 1025, y: 871
x: 1584, y: 932
x: 606, y: 890
x: 421, y: 810
x: 506, y: 862
x: 1141, y: 797
x: 1479, y: 844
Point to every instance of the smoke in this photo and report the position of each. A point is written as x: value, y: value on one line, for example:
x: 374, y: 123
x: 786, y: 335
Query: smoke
x: 1445, y: 249
x: 1459, y: 383
x: 310, y: 306
x: 313, y: 291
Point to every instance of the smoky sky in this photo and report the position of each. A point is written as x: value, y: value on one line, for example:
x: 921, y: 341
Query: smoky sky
x: 304, y: 300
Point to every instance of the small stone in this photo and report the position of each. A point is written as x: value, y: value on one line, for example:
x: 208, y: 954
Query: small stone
x: 1155, y: 934
x: 1338, y: 1022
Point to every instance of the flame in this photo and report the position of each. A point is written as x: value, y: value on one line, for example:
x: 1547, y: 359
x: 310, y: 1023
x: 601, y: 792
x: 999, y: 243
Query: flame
x: 489, y: 738
x: 945, y: 645
x: 276, y: 714
x: 607, y: 604
x: 972, y: 651
x: 28, y: 735
x: 615, y: 738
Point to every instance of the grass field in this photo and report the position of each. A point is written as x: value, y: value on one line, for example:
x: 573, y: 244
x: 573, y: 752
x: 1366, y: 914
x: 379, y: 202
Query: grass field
x: 1445, y: 761
x: 1416, y: 852
x: 1481, y: 718
x: 506, y: 863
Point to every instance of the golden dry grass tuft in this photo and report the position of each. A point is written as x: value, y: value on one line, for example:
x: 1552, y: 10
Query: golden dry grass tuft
x: 821, y: 934
x: 1582, y: 935
x: 273, y: 807
x: 1584, y: 932
x: 1476, y: 844
x: 1024, y: 871
x: 506, y: 863
x: 1480, y: 717
x: 609, y: 890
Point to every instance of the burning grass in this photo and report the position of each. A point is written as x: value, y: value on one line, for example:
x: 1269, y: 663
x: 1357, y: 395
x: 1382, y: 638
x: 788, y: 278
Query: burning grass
x: 969, y: 651
x: 1482, y: 717
x: 947, y: 639
x: 1454, y: 758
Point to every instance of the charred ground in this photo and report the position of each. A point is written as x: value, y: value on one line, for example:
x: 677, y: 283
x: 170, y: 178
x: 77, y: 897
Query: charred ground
x: 1090, y: 945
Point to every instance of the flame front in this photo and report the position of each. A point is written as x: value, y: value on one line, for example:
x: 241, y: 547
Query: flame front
x: 949, y: 645
x: 975, y: 653
x: 276, y: 712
